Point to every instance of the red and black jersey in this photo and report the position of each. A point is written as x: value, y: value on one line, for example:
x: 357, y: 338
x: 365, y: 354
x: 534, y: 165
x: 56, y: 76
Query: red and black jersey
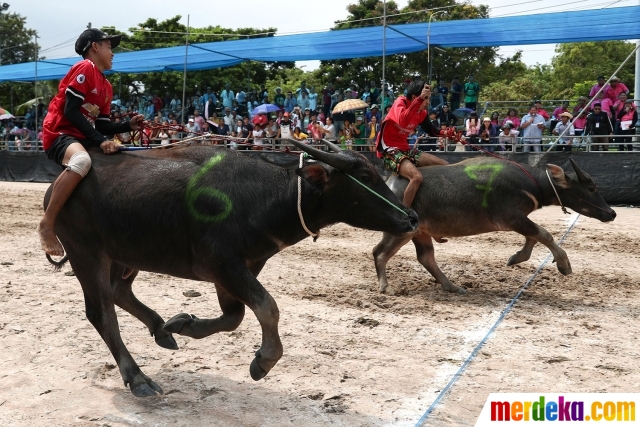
x: 86, y: 82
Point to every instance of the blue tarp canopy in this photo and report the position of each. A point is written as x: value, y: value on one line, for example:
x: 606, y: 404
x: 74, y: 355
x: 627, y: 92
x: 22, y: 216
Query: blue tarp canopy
x: 622, y: 23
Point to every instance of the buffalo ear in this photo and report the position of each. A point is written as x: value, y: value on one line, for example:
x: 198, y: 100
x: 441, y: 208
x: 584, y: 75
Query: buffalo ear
x: 314, y: 174
x: 559, y: 177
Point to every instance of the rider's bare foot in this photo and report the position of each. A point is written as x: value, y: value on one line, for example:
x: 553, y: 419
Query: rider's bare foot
x: 49, y: 241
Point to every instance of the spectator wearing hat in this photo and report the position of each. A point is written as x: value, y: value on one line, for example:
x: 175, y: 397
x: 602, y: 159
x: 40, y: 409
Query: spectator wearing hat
x: 565, y: 130
x: 616, y: 87
x: 286, y: 130
x: 373, y: 111
x: 599, y: 126
x: 446, y: 117
x: 600, y: 85
x: 555, y: 116
x: 507, y: 138
x: 359, y: 134
x: 192, y: 128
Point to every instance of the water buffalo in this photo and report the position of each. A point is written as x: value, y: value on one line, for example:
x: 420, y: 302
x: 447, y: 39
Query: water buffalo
x: 482, y: 195
x: 209, y: 214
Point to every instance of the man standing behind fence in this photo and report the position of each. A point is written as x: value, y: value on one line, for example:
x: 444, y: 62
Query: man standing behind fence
x: 532, y: 126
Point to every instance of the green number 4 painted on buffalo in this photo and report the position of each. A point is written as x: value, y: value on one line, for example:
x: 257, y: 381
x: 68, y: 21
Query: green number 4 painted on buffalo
x: 472, y: 172
x: 194, y: 192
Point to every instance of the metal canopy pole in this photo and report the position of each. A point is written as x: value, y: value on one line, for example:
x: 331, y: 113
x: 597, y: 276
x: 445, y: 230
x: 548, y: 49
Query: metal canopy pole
x: 36, y: 88
x: 184, y: 78
x: 384, y: 52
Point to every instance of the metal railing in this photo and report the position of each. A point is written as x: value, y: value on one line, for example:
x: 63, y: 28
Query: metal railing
x: 588, y: 143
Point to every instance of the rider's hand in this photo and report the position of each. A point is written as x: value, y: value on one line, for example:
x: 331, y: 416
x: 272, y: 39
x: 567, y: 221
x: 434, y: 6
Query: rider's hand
x: 426, y: 91
x: 136, y: 121
x: 109, y: 147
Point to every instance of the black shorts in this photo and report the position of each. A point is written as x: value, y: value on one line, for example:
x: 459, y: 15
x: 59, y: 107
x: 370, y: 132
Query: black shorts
x: 60, y: 145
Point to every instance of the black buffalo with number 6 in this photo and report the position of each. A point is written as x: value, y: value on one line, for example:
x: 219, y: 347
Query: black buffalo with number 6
x: 482, y: 195
x: 209, y: 214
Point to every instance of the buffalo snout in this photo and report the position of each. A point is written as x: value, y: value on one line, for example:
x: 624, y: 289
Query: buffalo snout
x: 412, y: 222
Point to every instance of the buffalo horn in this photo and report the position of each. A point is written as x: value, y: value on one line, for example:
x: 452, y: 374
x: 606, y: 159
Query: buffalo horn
x: 337, y: 160
x: 333, y: 147
x: 582, y: 177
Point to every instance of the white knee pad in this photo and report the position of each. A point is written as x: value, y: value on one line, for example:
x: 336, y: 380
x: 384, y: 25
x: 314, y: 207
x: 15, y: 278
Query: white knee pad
x: 80, y: 163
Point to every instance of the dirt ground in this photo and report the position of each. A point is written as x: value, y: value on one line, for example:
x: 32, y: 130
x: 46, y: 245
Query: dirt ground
x: 352, y: 357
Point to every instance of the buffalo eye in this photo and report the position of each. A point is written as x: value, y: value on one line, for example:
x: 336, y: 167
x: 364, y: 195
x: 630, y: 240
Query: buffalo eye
x: 592, y: 189
x: 365, y: 178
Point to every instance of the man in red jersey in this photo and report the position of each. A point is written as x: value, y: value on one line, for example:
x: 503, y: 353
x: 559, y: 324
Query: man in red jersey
x: 392, y: 145
x: 78, y: 118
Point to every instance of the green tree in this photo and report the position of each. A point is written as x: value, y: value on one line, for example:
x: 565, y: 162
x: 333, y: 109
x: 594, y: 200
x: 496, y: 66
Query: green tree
x: 576, y: 66
x: 153, y: 34
x: 446, y: 62
x: 17, y: 45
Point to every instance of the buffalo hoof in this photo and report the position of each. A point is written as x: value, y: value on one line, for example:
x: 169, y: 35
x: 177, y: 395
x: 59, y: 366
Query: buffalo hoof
x: 454, y: 289
x: 177, y: 322
x: 167, y: 342
x: 143, y: 386
x: 255, y: 370
x: 513, y: 260
x: 565, y: 269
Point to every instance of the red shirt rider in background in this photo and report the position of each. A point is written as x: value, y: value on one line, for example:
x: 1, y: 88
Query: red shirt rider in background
x: 392, y: 146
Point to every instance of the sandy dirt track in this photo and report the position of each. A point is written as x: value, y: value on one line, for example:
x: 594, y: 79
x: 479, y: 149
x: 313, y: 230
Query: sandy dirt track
x: 352, y: 357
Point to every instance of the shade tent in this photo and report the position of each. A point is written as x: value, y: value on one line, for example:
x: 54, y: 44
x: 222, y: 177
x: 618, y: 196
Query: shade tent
x: 622, y: 23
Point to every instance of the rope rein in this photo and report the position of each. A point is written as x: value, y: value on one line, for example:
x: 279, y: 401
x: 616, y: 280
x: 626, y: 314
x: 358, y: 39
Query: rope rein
x: 309, y: 232
x: 377, y: 195
x: 557, y: 195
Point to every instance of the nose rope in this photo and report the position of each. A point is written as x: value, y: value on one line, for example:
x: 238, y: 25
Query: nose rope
x: 556, y: 191
x: 570, y: 193
x: 377, y: 195
x: 309, y: 232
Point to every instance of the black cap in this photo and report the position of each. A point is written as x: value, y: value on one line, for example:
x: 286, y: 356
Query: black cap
x: 94, y: 35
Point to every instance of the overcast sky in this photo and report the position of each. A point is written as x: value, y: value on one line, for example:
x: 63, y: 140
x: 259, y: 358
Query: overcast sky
x: 60, y: 22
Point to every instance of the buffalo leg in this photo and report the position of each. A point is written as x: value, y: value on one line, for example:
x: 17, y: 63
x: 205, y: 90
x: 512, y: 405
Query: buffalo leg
x: 191, y: 326
x: 523, y: 254
x: 125, y: 299
x: 232, y: 314
x: 239, y: 282
x: 531, y: 230
x: 382, y: 253
x: 100, y: 310
x: 426, y: 256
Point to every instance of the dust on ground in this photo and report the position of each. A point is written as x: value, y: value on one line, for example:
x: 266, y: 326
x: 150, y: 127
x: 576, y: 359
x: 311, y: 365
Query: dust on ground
x: 352, y: 356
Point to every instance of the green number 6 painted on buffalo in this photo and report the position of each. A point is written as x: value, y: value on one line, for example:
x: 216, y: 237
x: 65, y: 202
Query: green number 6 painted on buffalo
x: 194, y: 192
x: 495, y: 169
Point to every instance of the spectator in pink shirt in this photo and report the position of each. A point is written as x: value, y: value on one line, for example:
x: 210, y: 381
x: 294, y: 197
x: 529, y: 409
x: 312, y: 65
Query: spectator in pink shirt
x: 619, y: 104
x: 582, y: 102
x: 595, y: 88
x: 615, y: 89
x: 605, y: 102
x: 512, y: 116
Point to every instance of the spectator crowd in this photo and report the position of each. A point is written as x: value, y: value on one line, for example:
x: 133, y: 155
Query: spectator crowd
x: 227, y: 117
